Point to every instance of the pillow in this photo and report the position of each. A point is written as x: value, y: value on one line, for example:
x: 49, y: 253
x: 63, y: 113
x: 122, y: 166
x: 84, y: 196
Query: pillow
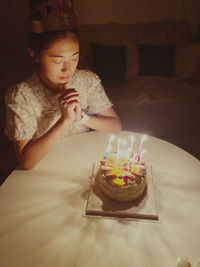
x: 156, y: 60
x: 188, y: 61
x: 110, y: 63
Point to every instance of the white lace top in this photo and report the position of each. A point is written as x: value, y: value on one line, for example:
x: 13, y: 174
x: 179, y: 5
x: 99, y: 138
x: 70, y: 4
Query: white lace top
x: 32, y: 108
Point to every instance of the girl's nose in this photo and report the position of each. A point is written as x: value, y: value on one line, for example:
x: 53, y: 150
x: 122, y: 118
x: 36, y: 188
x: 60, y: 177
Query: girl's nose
x: 66, y: 66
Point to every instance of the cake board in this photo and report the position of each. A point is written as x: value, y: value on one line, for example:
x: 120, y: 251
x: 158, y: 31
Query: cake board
x: 144, y: 208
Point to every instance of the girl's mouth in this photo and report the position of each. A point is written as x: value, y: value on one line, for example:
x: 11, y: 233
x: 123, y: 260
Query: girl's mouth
x: 64, y: 77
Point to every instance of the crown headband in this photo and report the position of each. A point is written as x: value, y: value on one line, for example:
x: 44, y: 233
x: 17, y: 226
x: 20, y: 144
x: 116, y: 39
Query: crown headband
x: 54, y: 15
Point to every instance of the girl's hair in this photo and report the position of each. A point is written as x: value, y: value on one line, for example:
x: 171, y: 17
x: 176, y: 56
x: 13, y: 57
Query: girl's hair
x: 39, y: 42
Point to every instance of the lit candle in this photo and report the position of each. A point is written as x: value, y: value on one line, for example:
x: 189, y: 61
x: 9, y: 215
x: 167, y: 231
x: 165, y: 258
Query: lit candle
x: 106, y: 157
x: 107, y: 151
x: 130, y: 163
x: 123, y: 146
x: 110, y: 140
x: 132, y: 141
x: 118, y: 146
x: 129, y: 152
x: 133, y: 161
x: 142, y: 153
x: 141, y: 143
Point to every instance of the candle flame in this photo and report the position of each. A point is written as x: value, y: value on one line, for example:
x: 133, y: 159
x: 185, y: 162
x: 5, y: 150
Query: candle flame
x: 124, y: 142
x: 111, y: 139
x: 144, y: 137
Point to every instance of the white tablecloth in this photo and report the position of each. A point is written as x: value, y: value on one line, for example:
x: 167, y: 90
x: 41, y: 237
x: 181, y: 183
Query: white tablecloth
x: 41, y: 211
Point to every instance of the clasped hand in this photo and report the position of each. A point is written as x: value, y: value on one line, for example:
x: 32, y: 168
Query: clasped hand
x: 70, y: 106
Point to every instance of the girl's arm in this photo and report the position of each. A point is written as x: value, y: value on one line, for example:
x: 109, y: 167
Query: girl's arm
x: 105, y: 121
x: 30, y: 152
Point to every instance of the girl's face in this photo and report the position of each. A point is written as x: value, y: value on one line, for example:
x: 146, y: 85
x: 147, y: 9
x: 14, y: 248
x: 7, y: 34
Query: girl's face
x: 58, y: 63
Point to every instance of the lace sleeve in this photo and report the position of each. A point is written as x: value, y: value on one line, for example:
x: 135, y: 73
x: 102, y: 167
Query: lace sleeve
x: 97, y: 98
x: 20, y: 120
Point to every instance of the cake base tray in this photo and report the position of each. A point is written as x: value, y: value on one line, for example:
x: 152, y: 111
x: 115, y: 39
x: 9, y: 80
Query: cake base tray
x: 144, y: 208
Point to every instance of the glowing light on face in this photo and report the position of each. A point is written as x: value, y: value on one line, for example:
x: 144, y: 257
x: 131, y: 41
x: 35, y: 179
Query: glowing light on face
x: 59, y: 62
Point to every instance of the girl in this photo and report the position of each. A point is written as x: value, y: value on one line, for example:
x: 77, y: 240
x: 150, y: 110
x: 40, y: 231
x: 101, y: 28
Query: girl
x: 57, y: 101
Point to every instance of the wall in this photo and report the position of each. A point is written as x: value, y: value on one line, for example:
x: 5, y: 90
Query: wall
x: 13, y: 21
x: 137, y: 11
x: 125, y: 11
x: 14, y: 14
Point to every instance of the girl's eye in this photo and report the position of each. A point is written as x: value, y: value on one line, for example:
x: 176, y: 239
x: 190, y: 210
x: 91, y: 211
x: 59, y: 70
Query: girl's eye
x: 57, y: 61
x: 74, y: 58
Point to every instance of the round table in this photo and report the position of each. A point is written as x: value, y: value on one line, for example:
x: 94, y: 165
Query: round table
x: 42, y: 222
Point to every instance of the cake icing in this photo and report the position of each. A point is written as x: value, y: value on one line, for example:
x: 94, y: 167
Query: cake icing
x: 122, y: 178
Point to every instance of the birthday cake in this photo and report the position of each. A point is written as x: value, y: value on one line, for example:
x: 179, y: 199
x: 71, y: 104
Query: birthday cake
x: 122, y: 178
